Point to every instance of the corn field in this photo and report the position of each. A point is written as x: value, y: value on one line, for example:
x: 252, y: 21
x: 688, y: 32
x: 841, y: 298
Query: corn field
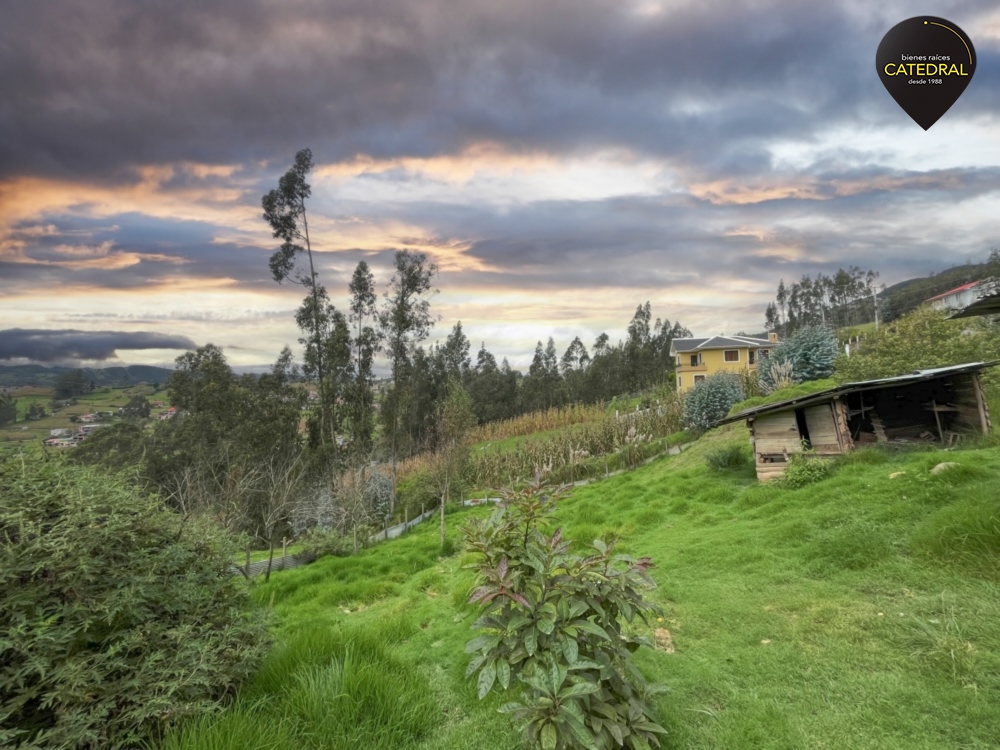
x: 627, y: 436
x: 538, y: 421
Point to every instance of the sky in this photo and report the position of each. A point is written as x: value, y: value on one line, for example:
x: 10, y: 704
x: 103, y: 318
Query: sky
x: 561, y: 161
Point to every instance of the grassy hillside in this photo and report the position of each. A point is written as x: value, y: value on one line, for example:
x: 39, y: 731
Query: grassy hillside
x: 36, y: 430
x: 860, y: 611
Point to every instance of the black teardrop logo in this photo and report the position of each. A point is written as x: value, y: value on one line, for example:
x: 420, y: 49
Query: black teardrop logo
x: 925, y: 63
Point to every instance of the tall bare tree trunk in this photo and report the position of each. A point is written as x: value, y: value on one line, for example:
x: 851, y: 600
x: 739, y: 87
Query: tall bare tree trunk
x: 324, y: 414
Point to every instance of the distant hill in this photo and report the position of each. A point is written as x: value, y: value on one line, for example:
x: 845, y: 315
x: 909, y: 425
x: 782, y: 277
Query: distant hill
x: 41, y: 376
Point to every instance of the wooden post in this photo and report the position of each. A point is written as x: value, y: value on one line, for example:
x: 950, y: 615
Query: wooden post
x: 937, y: 419
x: 284, y: 550
x: 248, y: 559
x: 984, y: 409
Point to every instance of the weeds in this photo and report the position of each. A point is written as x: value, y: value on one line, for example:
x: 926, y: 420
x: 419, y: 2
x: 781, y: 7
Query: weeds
x: 804, y: 470
x: 733, y: 457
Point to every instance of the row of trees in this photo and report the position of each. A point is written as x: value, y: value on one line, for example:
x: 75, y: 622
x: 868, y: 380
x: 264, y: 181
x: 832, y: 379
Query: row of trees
x: 340, y: 348
x: 235, y: 450
x: 849, y: 297
x: 497, y: 391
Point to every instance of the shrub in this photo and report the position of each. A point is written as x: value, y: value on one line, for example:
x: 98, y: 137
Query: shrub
x: 556, y: 623
x: 418, y: 492
x: 780, y: 375
x: 803, y: 470
x: 811, y: 352
x: 711, y: 400
x: 732, y: 457
x: 320, y: 543
x: 115, y: 448
x: 923, y: 339
x: 750, y: 384
x: 117, y: 618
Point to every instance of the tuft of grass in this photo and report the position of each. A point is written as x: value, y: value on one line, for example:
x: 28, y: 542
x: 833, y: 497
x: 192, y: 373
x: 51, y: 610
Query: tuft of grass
x: 244, y: 727
x: 735, y: 457
x: 966, y: 532
x: 855, y: 545
x: 338, y: 689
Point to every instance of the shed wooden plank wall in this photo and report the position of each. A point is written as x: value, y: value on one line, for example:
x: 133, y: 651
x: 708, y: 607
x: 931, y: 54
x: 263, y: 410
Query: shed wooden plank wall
x: 775, y: 435
x: 824, y: 437
x: 973, y: 412
x: 843, y: 427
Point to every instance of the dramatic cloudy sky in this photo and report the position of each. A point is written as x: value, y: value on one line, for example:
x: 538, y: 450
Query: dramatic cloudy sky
x: 562, y: 161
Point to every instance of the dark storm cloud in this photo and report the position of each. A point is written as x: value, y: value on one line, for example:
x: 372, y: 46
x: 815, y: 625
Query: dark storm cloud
x: 62, y: 345
x: 95, y: 89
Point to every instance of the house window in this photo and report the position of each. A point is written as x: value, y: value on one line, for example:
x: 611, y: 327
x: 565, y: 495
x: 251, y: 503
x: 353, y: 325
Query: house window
x: 699, y: 379
x: 678, y: 382
x: 731, y: 355
x: 753, y: 356
x: 763, y: 354
x: 694, y: 360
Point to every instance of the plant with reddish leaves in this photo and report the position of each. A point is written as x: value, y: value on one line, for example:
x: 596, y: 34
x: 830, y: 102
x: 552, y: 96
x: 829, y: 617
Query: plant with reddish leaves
x: 555, y: 622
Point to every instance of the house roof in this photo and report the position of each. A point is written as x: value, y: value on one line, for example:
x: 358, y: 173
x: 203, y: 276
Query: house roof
x: 686, y: 345
x: 988, y: 305
x: 956, y: 290
x: 716, y: 342
x: 863, y: 385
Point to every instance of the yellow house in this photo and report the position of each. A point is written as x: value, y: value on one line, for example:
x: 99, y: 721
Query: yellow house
x: 696, y: 359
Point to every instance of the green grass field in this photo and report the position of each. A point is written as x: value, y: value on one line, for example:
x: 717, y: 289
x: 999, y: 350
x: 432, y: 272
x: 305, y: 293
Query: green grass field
x: 37, y: 430
x: 861, y: 611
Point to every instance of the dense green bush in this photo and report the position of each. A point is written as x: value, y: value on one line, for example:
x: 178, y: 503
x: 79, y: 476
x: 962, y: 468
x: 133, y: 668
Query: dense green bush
x: 117, y: 619
x: 557, y: 623
x: 320, y: 543
x: 117, y: 447
x: 418, y: 492
x: 732, y: 457
x: 923, y: 339
x: 811, y: 351
x: 711, y: 400
x: 803, y: 470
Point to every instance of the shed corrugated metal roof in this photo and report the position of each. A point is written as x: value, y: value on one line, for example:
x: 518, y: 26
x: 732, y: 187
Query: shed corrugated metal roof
x: 988, y: 305
x: 863, y: 385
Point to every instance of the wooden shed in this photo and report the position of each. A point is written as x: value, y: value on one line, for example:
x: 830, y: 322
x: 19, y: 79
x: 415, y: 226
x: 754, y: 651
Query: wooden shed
x: 939, y: 405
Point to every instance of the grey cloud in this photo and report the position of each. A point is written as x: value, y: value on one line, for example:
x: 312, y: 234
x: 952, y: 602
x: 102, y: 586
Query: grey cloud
x: 95, y: 89
x: 69, y: 344
x: 234, y: 317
